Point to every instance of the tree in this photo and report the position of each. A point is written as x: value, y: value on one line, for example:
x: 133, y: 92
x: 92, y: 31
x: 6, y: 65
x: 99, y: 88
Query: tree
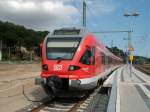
x: 15, y: 36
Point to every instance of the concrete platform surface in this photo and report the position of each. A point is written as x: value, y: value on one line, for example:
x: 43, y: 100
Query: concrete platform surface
x: 132, y: 91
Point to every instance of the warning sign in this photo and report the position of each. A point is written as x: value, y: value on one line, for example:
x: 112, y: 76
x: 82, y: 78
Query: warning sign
x: 131, y: 57
x: 131, y: 49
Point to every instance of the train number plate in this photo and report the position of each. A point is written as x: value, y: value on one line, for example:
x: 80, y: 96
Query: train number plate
x: 57, y: 67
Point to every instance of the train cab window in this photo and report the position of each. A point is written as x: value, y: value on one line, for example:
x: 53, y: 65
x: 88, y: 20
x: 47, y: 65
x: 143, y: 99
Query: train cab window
x: 62, y: 48
x: 85, y: 59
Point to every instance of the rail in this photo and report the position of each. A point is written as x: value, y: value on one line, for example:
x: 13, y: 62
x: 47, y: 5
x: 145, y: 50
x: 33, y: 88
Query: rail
x: 143, y: 68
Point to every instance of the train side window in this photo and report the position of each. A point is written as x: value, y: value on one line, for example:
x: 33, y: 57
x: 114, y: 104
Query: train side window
x: 106, y: 60
x: 85, y: 59
x: 103, y: 58
x: 93, y: 55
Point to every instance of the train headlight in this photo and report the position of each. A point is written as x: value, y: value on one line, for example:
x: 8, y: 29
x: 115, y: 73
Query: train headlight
x: 45, y: 67
x: 73, y: 67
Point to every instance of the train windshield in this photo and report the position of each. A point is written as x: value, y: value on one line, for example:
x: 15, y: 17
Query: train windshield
x: 61, y: 48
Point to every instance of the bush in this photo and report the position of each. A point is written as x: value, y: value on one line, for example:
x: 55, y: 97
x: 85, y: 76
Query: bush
x: 5, y: 56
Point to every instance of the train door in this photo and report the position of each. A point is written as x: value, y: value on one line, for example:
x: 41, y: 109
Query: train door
x: 88, y: 61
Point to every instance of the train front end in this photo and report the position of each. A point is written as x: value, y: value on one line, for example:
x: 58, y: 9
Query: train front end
x: 62, y: 53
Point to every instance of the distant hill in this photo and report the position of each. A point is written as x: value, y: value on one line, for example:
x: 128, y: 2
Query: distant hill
x: 15, y: 35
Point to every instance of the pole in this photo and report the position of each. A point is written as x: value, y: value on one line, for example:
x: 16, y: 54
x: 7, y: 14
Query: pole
x: 129, y: 45
x: 129, y: 52
x: 84, y: 14
x: 130, y: 48
x: 1, y: 50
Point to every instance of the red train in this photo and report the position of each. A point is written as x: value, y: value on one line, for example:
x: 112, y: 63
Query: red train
x: 73, y: 59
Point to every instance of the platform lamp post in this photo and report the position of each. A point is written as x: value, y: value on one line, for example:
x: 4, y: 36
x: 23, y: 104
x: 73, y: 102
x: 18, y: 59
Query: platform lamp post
x: 130, y: 47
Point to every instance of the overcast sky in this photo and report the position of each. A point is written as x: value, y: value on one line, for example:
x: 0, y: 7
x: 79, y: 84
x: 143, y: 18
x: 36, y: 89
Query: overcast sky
x: 37, y: 14
x: 102, y: 15
x: 44, y: 14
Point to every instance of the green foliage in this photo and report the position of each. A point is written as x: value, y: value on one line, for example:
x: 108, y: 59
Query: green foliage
x: 141, y: 60
x: 14, y: 35
x: 5, y: 56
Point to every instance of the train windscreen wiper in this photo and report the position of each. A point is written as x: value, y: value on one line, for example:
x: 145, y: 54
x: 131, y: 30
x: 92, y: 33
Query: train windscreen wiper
x: 59, y: 59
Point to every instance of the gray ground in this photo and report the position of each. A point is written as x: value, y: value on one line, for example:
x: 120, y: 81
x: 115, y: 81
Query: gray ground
x: 14, y: 78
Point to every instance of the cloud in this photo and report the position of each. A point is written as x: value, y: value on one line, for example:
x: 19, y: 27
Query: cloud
x: 46, y: 14
x: 37, y: 14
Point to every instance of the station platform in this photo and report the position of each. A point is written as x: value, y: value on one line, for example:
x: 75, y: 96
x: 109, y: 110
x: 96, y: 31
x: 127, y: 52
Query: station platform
x: 130, y: 92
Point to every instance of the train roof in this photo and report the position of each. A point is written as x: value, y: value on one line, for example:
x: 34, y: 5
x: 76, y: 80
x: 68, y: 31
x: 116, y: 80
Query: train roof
x: 106, y: 51
x: 68, y: 32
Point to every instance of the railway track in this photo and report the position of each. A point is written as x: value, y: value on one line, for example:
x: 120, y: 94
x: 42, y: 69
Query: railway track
x: 68, y: 104
x: 144, y: 68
